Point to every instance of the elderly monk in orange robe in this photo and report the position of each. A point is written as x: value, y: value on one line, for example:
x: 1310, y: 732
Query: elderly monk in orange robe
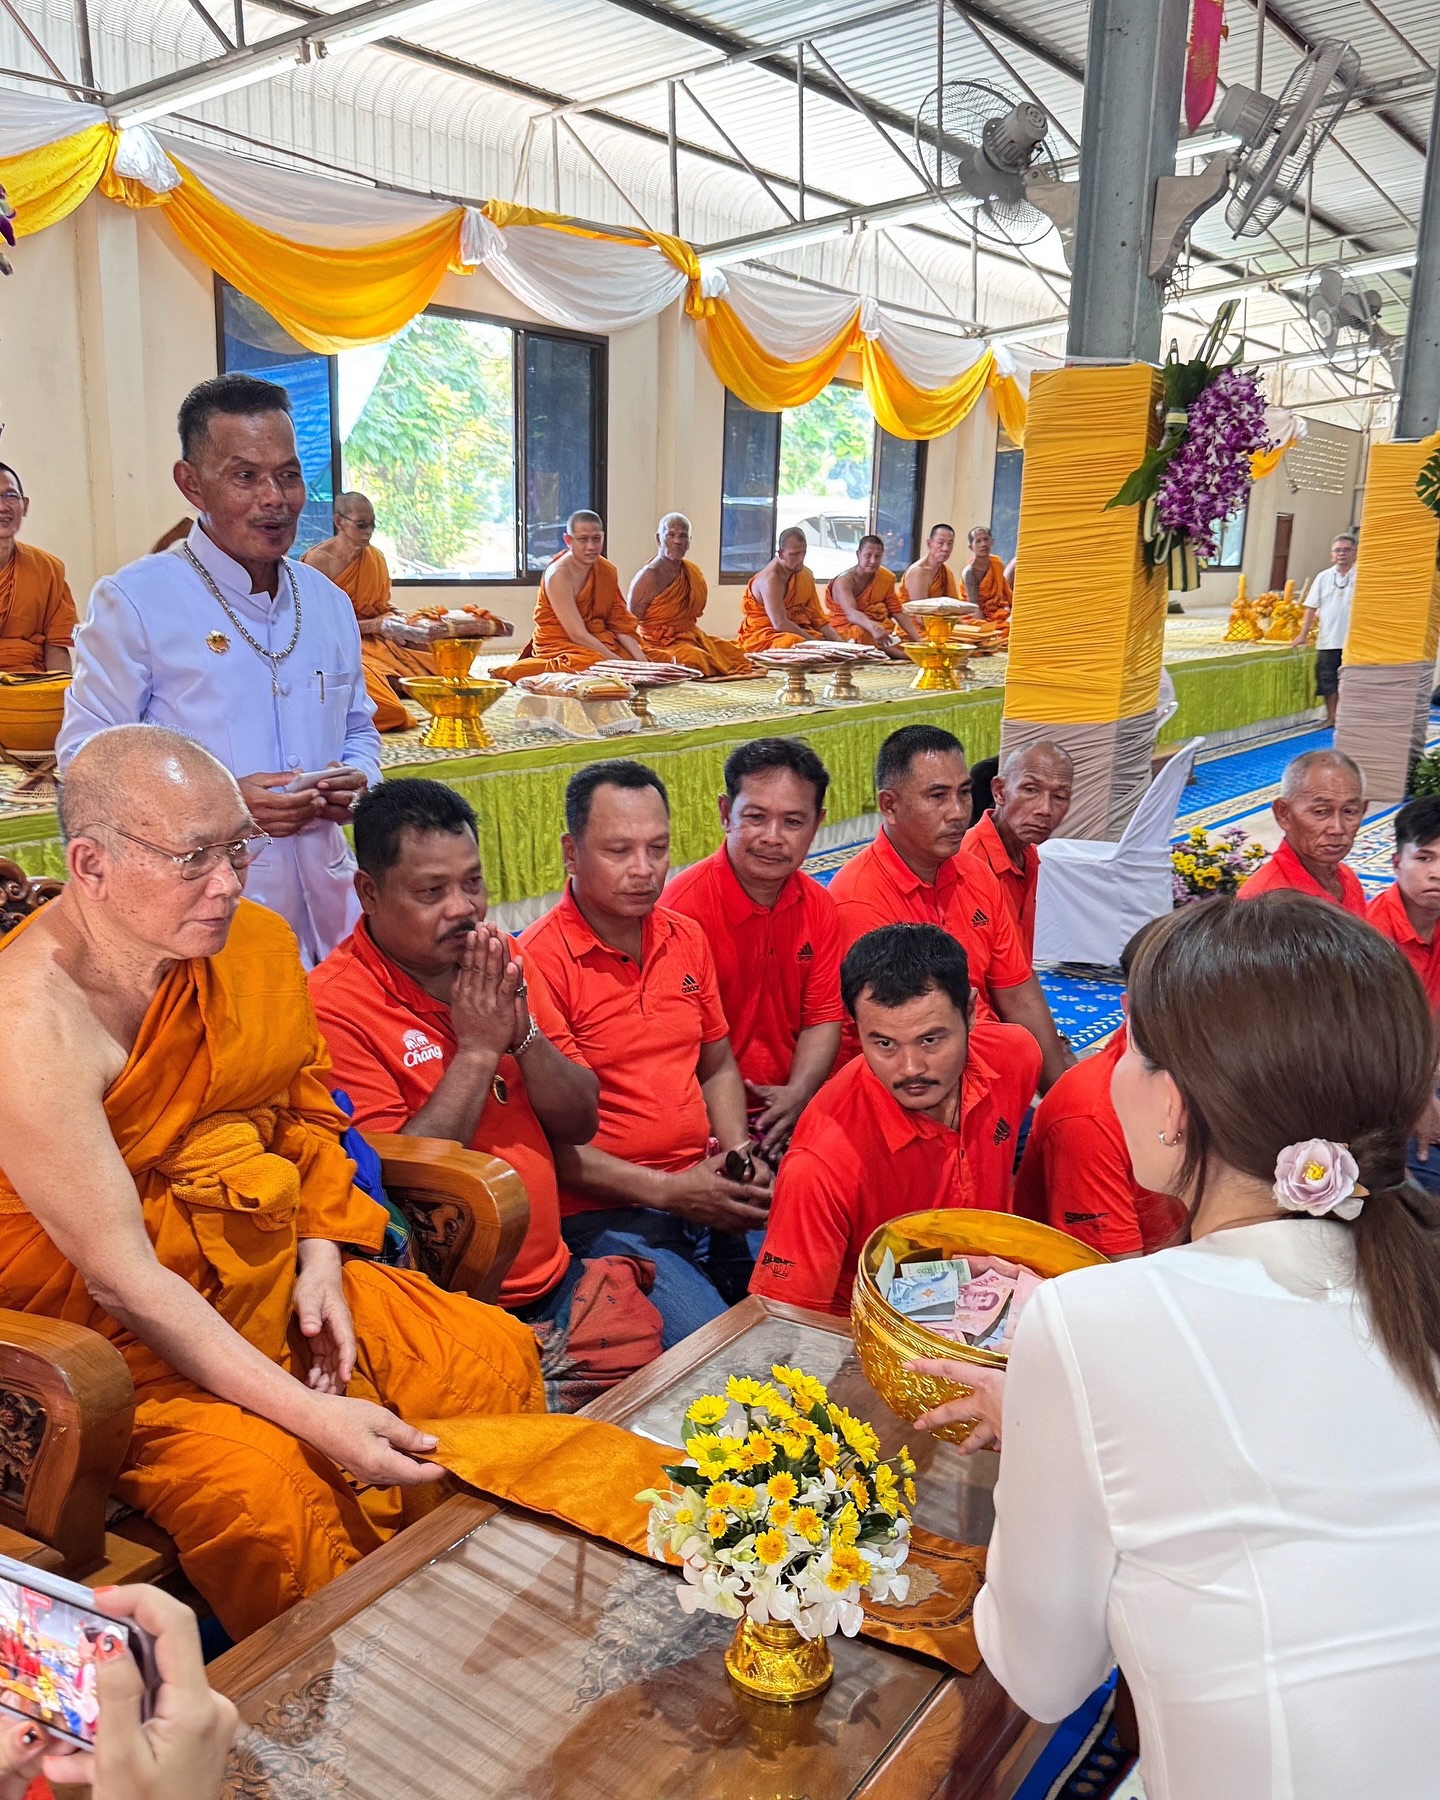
x: 360, y: 571
x: 931, y: 577
x: 668, y: 596
x: 984, y: 577
x: 780, y: 607
x: 173, y: 1179
x: 37, y: 609
x: 863, y: 603
x: 580, y: 614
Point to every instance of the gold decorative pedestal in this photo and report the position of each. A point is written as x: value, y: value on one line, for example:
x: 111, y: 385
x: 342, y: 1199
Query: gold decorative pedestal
x: 453, y: 657
x: 774, y: 1662
x: 640, y: 706
x: 942, y: 665
x: 456, y: 709
x: 841, y: 685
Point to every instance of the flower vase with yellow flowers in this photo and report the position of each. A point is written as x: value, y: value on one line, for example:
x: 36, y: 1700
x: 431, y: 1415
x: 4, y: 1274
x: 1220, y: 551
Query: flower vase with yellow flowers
x: 782, y: 1515
x: 1201, y: 869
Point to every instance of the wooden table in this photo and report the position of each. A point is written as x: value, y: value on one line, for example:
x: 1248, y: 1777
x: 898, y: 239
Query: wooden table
x: 489, y: 1652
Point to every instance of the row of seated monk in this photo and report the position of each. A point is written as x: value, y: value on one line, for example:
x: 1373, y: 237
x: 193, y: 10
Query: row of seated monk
x: 810, y: 1063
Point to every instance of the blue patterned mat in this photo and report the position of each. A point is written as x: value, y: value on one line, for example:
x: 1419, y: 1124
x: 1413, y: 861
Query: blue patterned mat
x: 1084, y: 1759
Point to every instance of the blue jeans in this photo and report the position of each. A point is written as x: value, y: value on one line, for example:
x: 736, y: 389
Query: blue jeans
x: 684, y: 1297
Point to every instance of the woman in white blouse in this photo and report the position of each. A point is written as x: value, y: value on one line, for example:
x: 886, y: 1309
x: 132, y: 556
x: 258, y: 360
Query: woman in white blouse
x: 1221, y: 1463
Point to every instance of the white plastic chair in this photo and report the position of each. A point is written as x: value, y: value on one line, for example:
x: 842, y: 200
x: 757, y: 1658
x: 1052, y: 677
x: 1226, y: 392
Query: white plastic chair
x: 1093, y: 897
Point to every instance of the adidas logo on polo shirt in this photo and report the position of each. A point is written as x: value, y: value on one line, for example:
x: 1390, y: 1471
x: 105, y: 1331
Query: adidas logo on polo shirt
x: 689, y: 985
x: 805, y: 953
x: 1002, y: 1131
x: 979, y: 917
x: 419, y: 1049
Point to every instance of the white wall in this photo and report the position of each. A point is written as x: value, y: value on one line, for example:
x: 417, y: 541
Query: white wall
x: 108, y: 322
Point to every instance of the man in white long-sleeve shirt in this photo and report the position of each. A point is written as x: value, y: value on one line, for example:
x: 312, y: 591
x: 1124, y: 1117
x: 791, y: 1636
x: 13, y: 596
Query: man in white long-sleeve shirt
x: 254, y: 656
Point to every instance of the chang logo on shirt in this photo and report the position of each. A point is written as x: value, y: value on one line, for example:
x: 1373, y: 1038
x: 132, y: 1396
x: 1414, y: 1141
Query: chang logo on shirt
x: 419, y: 1049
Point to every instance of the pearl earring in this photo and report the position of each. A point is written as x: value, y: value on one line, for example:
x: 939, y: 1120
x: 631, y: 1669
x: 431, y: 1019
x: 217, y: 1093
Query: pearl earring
x: 1170, y: 1142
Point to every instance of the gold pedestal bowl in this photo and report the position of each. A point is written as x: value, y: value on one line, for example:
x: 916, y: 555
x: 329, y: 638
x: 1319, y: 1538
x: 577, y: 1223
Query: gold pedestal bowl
x: 886, y: 1340
x: 941, y: 666
x: 31, y: 708
x: 456, y: 710
x: 774, y: 1662
x: 453, y: 656
x: 841, y: 685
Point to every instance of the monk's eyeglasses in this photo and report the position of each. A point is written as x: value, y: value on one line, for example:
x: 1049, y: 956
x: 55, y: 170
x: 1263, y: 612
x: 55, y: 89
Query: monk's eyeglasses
x: 195, y: 865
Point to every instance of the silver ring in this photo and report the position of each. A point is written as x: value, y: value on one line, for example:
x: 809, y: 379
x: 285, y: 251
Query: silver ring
x: 522, y: 990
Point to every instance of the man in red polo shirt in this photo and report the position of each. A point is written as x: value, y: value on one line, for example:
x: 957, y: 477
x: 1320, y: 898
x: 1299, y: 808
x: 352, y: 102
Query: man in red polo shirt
x: 1320, y: 807
x: 772, y: 931
x: 916, y: 873
x: 1031, y: 796
x: 433, y: 1030
x: 924, y: 1117
x: 634, y: 985
x: 1408, y: 912
x: 1076, y: 1174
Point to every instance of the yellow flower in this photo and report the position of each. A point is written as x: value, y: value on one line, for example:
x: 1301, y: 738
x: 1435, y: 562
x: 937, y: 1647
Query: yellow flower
x: 804, y: 1389
x: 780, y: 1512
x: 906, y: 1460
x: 846, y: 1529
x: 722, y: 1494
x: 782, y: 1487
x: 742, y: 1389
x: 744, y: 1500
x: 793, y: 1445
x: 709, y: 1409
x: 909, y: 1490
x: 850, y: 1564
x: 857, y: 1434
x: 806, y: 1523
x: 760, y: 1449
x: 771, y: 1547
x: 838, y: 1580
x: 716, y: 1524
x: 826, y: 1448
x: 684, y: 1515
x: 860, y: 1492
x: 887, y: 1487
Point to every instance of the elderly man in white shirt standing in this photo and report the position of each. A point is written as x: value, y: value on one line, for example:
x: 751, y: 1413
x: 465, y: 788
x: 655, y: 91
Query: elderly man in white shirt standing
x: 254, y: 656
x: 1329, y: 601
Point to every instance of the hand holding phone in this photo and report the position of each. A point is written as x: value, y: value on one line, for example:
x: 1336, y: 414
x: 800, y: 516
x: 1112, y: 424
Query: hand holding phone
x: 310, y: 779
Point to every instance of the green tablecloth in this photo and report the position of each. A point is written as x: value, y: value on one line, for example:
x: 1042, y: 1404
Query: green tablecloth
x: 518, y: 795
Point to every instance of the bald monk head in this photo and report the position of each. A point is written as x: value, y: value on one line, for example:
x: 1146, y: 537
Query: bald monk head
x: 939, y: 545
x: 14, y: 505
x: 157, y: 841
x: 791, y: 548
x: 585, y: 537
x: 673, y: 537
x: 981, y: 540
x: 1320, y: 807
x: 354, y: 522
x: 869, y: 554
x: 1031, y: 795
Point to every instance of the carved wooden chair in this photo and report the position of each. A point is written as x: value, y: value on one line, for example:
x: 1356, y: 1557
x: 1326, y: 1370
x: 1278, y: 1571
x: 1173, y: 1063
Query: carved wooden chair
x: 67, y: 1404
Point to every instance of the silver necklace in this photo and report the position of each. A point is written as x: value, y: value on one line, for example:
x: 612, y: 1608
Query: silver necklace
x: 273, y: 657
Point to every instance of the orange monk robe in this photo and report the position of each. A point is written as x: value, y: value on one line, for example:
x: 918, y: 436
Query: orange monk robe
x: 224, y: 1121
x: 943, y: 585
x: 880, y: 601
x: 671, y: 629
x: 36, y: 609
x: 993, y: 591
x: 802, y: 604
x: 602, y: 607
x: 366, y: 584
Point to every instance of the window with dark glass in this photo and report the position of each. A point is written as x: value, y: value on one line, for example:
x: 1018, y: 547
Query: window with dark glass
x: 1005, y: 499
x: 474, y: 439
x: 826, y: 467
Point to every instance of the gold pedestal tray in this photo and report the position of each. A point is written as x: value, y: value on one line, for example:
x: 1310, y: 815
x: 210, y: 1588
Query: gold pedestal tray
x: 774, y: 1662
x: 941, y: 665
x: 841, y: 685
x: 456, y: 709
x: 453, y: 657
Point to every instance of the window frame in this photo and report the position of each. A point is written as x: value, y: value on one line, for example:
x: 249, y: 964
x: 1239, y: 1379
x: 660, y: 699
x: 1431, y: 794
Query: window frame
x: 731, y: 578
x: 519, y: 330
x: 1232, y: 568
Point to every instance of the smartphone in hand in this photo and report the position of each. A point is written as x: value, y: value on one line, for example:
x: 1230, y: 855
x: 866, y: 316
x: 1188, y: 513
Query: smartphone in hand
x: 49, y: 1631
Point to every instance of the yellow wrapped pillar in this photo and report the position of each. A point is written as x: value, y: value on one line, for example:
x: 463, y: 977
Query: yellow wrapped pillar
x: 1388, y: 669
x: 1088, y: 625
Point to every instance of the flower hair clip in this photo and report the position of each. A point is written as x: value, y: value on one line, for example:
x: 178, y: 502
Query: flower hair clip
x: 1318, y: 1177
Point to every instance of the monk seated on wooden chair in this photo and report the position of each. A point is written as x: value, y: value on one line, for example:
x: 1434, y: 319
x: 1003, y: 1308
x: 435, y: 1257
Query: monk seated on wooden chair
x: 172, y: 1179
x: 668, y: 596
x: 580, y: 614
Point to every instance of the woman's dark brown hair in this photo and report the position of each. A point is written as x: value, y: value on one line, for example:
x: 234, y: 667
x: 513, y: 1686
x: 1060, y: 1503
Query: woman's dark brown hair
x: 1285, y: 1018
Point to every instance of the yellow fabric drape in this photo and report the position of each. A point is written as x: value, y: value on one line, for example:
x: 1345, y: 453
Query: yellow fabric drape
x: 1089, y: 619
x: 1266, y: 462
x: 761, y: 380
x: 501, y: 213
x: 46, y: 185
x: 1395, y: 615
x: 1012, y: 406
x: 906, y: 411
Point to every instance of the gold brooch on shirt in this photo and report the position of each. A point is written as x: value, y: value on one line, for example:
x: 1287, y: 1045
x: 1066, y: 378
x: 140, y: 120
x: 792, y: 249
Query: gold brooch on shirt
x: 499, y: 1089
x: 218, y: 642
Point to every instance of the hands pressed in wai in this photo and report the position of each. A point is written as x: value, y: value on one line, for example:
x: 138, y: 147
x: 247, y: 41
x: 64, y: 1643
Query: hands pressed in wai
x: 488, y: 1013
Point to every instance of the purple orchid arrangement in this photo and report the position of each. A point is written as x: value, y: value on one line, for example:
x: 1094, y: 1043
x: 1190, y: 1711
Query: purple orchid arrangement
x: 1209, y: 475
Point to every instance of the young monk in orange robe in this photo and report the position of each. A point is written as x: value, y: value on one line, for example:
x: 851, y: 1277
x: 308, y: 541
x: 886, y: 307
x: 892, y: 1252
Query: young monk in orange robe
x: 172, y: 1178
x: 668, y: 596
x: 985, y: 582
x: 37, y: 610
x: 360, y: 572
x: 580, y: 614
x: 784, y: 589
x: 870, y: 590
x: 931, y: 577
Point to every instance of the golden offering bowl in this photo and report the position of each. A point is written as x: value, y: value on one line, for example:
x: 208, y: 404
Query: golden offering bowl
x: 30, y: 714
x: 940, y: 664
x: 886, y: 1340
x: 455, y: 709
x: 453, y: 657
